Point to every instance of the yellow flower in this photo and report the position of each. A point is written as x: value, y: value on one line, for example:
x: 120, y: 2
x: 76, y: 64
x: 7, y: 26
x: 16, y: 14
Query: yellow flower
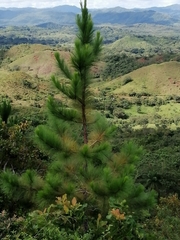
x: 116, y: 213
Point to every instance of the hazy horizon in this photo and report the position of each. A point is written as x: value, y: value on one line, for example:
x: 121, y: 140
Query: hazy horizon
x: 129, y: 4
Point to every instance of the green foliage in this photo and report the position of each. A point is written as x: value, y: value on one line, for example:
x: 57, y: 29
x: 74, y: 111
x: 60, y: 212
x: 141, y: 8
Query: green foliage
x: 127, y: 80
x: 159, y: 166
x: 64, y: 219
x: 124, y: 103
x: 9, y: 226
x: 19, y: 192
x: 15, y: 144
x: 116, y: 180
x: 2, y: 53
x: 119, y: 64
x: 87, y: 48
x: 86, y: 166
x: 83, y: 163
x: 124, y: 223
x: 123, y: 63
x: 70, y: 220
x: 165, y: 223
x: 5, y: 110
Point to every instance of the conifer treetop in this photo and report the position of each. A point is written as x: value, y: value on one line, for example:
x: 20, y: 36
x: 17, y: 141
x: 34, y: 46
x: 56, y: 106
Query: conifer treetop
x: 87, y: 47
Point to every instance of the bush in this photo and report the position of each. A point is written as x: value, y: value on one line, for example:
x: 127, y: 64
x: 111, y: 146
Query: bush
x: 17, y: 150
x: 69, y: 220
x: 119, y: 113
x: 124, y: 103
x: 9, y: 226
x: 127, y: 80
x: 5, y: 110
x: 166, y: 221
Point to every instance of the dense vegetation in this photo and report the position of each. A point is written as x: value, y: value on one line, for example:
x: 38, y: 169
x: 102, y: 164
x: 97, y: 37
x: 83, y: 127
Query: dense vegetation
x: 81, y: 175
x: 121, y: 64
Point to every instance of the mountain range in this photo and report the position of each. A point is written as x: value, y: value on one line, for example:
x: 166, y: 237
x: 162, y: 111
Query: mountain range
x: 66, y: 15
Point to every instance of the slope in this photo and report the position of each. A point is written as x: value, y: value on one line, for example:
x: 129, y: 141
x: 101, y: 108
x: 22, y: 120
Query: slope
x: 156, y: 79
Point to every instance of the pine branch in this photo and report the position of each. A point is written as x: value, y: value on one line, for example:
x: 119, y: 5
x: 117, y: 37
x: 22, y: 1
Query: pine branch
x: 61, y: 64
x: 97, y: 44
x: 59, y: 111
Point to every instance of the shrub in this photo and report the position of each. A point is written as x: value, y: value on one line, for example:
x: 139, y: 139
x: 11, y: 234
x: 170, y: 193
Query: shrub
x: 166, y: 221
x: 69, y: 220
x: 9, y: 226
x: 119, y: 113
x: 17, y: 150
x: 124, y: 103
x: 127, y: 80
x: 5, y: 110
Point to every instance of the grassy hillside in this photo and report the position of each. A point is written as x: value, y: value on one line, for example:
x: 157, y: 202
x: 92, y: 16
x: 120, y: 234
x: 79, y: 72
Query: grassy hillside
x: 25, y: 75
x: 146, y: 92
x: 25, y: 78
x: 148, y: 96
x: 129, y: 42
x: 156, y: 79
x: 35, y: 60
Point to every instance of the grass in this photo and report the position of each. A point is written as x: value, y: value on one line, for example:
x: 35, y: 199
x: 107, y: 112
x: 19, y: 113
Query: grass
x: 170, y: 110
x: 157, y: 79
x: 145, y: 110
x: 160, y: 81
x: 34, y: 59
x: 128, y: 42
x: 36, y: 64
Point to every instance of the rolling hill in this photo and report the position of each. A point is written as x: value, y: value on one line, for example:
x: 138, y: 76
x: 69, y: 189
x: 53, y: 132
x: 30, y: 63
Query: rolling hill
x: 157, y: 79
x: 35, y: 60
x: 25, y: 79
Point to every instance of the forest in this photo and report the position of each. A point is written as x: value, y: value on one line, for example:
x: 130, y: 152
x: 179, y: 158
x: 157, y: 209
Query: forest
x: 91, y: 151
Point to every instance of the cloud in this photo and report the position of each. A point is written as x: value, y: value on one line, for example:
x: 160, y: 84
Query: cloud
x: 90, y: 3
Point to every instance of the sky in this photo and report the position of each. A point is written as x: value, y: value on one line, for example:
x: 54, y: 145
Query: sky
x: 90, y: 3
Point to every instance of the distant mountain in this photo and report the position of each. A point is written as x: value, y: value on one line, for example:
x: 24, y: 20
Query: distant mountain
x: 129, y: 18
x: 169, y: 9
x: 173, y: 10
x: 67, y: 9
x: 66, y: 15
x: 50, y: 25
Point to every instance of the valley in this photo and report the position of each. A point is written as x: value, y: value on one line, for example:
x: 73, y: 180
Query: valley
x: 137, y: 67
x: 133, y: 96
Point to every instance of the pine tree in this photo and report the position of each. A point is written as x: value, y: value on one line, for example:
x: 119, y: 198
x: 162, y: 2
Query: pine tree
x: 84, y: 164
x: 78, y: 138
x: 76, y: 89
x: 85, y: 54
x: 81, y: 150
